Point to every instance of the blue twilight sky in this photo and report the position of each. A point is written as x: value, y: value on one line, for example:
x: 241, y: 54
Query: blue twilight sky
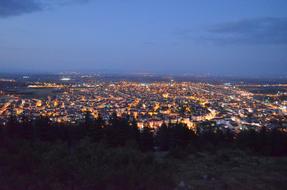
x: 237, y: 37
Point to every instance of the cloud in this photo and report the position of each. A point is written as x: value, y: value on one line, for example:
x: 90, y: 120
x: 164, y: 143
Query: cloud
x: 250, y: 31
x: 18, y: 7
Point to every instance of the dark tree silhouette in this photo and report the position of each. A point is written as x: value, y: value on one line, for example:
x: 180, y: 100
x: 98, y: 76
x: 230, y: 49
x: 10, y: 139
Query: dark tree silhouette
x: 146, y: 139
x: 163, y: 137
x: 120, y: 132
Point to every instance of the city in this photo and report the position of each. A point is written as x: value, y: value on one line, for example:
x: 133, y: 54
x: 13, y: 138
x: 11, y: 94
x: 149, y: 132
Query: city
x: 228, y: 105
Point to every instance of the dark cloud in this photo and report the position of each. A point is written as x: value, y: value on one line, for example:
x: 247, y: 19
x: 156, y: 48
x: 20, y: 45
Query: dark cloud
x: 251, y: 31
x: 17, y: 7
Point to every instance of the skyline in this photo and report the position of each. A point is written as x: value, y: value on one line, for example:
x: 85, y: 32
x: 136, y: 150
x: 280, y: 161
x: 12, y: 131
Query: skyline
x: 186, y: 37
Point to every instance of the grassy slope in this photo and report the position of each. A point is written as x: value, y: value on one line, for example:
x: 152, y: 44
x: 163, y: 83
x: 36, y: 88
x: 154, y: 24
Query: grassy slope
x: 232, y: 170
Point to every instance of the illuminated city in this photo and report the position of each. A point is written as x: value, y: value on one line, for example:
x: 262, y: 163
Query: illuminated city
x: 151, y: 104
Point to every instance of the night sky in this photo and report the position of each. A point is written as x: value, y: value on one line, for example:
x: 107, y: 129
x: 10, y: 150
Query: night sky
x: 217, y: 37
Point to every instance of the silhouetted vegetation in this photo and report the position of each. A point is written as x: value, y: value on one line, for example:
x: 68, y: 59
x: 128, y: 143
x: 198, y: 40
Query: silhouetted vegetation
x: 95, y: 154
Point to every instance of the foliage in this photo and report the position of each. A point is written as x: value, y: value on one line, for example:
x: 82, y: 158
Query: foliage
x: 115, y: 154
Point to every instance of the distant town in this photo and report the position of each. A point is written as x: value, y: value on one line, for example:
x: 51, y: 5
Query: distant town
x: 151, y: 102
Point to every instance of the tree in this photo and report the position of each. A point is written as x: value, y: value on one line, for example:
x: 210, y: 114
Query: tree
x: 120, y: 131
x: 180, y: 135
x: 163, y: 137
x: 146, y: 139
